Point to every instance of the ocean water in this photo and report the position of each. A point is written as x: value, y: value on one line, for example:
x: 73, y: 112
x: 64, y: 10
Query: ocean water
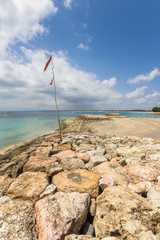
x: 18, y: 126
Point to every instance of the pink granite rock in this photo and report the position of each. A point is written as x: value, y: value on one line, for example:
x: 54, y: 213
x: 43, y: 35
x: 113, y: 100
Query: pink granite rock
x: 143, y: 172
x: 65, y: 154
x: 61, y: 214
x: 106, y: 182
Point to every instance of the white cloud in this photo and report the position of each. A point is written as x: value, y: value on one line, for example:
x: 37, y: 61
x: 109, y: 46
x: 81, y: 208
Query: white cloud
x: 148, y: 77
x: 20, y: 20
x: 82, y: 46
x: 153, y: 95
x: 109, y: 83
x: 141, y: 100
x: 67, y: 4
x: 24, y: 85
x: 138, y: 92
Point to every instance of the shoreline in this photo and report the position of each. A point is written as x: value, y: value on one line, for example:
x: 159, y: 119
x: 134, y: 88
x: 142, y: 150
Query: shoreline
x: 86, y: 175
x: 120, y: 125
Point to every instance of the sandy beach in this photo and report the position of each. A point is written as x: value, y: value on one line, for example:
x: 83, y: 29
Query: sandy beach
x: 141, y: 127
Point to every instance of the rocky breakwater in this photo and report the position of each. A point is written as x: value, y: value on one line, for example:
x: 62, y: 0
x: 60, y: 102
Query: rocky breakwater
x: 85, y: 187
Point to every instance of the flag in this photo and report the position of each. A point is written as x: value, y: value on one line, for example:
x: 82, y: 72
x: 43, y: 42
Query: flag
x: 52, y: 81
x: 47, y: 63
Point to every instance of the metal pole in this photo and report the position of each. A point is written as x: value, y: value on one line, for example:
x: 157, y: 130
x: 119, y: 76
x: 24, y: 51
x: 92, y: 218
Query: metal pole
x: 56, y: 101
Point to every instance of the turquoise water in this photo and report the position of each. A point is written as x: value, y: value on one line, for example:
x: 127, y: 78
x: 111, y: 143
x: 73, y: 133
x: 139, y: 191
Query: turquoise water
x: 18, y: 126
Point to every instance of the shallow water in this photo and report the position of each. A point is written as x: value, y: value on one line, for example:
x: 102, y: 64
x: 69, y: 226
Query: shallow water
x: 18, y: 126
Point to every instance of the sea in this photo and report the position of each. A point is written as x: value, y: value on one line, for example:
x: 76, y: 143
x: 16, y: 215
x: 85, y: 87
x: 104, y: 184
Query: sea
x: 18, y: 126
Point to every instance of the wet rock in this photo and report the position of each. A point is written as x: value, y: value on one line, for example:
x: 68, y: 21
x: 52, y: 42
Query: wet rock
x: 84, y: 156
x: 79, y: 180
x: 5, y: 182
x: 72, y: 163
x: 28, y: 186
x: 88, y: 229
x: 17, y: 221
x: 92, y: 209
x: 61, y: 214
x: 124, y: 214
x: 79, y: 237
x: 50, y: 190
x: 104, y: 170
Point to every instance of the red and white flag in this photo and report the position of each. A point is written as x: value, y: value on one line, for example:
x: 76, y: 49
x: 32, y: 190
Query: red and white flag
x: 52, y: 81
x: 47, y: 63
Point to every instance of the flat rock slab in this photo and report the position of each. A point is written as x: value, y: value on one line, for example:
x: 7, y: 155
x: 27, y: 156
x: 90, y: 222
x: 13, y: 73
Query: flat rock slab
x: 28, y: 186
x: 124, y: 214
x: 38, y: 163
x: 78, y: 180
x: 61, y: 214
x: 17, y: 221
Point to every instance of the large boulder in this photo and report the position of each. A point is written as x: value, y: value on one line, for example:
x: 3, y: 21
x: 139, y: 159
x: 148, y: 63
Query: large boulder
x: 61, y: 214
x: 124, y: 214
x: 143, y: 172
x: 78, y: 180
x: 28, y: 186
x: 5, y: 182
x: 38, y: 163
x: 17, y: 221
x: 104, y: 170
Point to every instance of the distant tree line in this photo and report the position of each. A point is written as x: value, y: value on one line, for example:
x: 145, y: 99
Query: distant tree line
x: 156, y: 109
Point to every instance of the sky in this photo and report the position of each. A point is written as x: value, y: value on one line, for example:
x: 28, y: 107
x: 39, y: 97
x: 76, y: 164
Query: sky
x: 106, y: 54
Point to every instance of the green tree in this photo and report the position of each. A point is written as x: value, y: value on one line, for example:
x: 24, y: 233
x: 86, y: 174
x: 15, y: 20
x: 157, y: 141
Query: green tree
x: 156, y: 109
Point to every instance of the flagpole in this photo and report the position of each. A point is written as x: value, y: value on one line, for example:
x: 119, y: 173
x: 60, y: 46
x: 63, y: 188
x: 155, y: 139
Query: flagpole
x: 56, y: 100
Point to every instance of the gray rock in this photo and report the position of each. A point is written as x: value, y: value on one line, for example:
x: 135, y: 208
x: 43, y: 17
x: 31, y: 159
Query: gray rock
x: 50, y: 189
x: 17, y: 221
x: 96, y: 157
x: 72, y: 164
x: 88, y: 229
x: 61, y: 214
x: 4, y: 199
x: 92, y: 209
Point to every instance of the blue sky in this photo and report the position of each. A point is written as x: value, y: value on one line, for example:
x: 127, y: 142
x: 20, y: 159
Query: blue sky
x: 106, y: 54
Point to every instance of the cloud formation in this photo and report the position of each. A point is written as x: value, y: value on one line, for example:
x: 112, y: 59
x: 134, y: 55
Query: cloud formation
x: 83, y: 47
x: 20, y: 20
x: 67, y: 4
x: 76, y: 89
x: 147, y: 77
x: 109, y: 83
x: 138, y: 92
